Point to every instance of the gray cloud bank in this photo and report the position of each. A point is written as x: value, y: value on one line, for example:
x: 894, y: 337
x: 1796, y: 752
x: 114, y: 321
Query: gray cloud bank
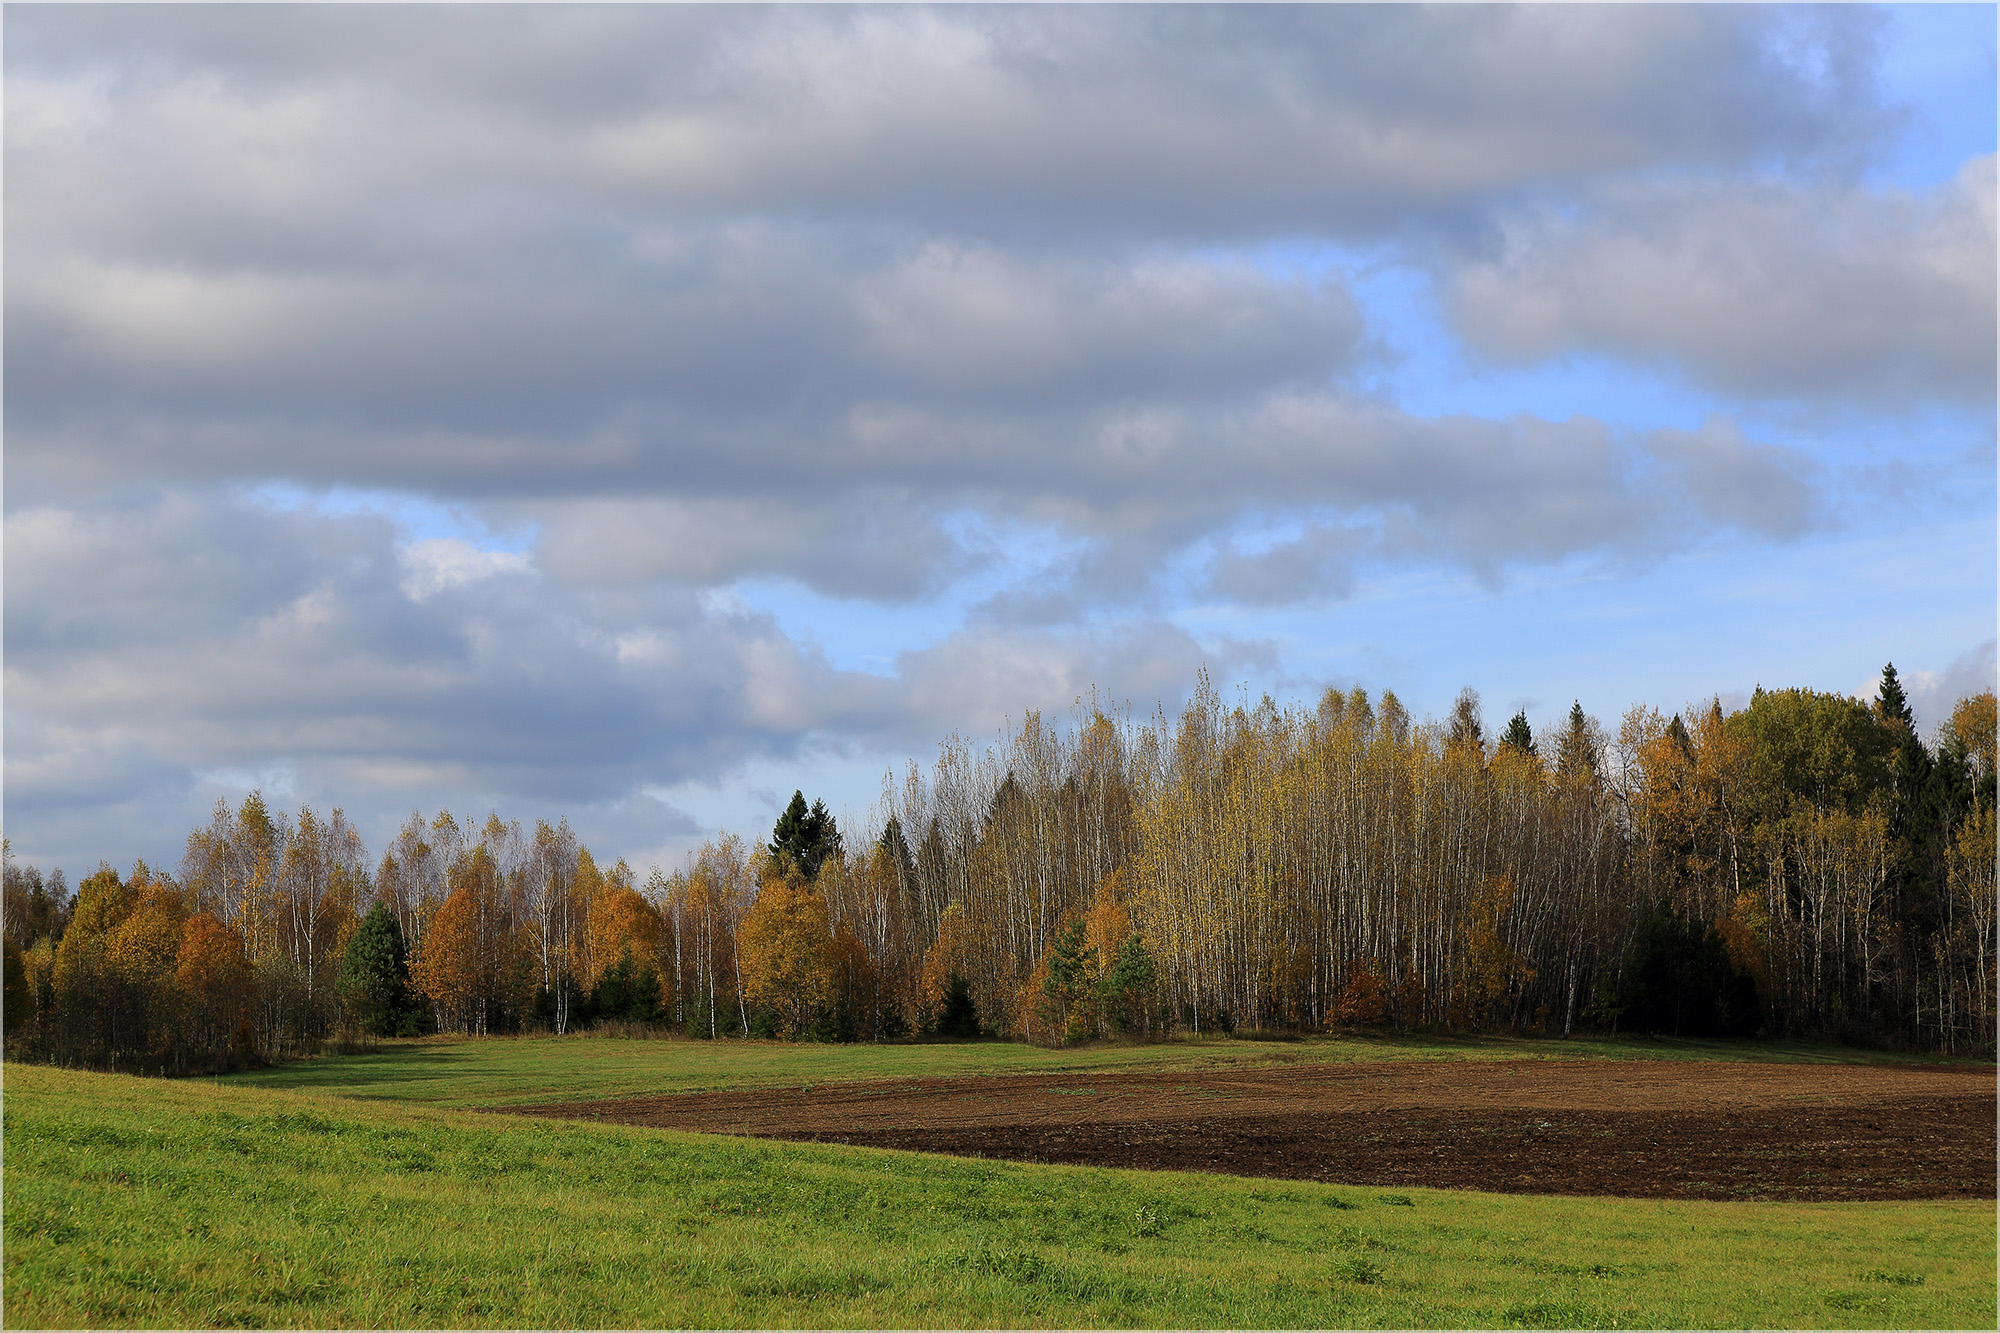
x: 695, y: 295
x: 158, y: 643
x: 899, y: 261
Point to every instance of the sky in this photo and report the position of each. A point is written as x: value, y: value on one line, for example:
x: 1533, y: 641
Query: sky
x: 633, y: 414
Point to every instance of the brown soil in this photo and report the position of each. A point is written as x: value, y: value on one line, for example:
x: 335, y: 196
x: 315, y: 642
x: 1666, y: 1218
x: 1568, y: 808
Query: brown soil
x: 1643, y: 1129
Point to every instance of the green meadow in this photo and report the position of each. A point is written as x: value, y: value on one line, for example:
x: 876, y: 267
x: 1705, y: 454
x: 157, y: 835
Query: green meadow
x: 363, y: 1190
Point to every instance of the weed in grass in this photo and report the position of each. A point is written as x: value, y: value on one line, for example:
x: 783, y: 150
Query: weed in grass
x: 1553, y: 1268
x: 1358, y: 1269
x: 1354, y: 1238
x: 1555, y: 1314
x: 1396, y: 1200
x: 1894, y: 1279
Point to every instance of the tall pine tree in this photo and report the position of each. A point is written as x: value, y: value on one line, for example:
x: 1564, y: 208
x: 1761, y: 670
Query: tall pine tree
x: 1576, y: 753
x: 804, y: 837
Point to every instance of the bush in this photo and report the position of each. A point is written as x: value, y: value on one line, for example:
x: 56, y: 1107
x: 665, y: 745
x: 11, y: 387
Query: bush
x: 1358, y: 1269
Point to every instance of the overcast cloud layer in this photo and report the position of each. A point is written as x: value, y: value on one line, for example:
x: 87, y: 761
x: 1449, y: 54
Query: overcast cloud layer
x: 430, y: 405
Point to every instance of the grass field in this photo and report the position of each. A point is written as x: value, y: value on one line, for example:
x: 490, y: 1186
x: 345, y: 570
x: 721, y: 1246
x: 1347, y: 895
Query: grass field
x: 356, y: 1191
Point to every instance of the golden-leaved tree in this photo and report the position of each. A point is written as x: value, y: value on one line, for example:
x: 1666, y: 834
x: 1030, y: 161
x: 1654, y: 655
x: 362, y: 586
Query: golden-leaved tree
x: 785, y: 946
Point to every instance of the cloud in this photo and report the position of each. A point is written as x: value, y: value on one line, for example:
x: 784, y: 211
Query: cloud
x: 1821, y: 290
x: 1317, y: 565
x: 883, y: 547
x: 184, y: 645
x: 710, y: 295
x: 867, y: 299
x: 1156, y: 121
x: 661, y: 370
x: 436, y: 564
x: 1759, y: 488
x: 1933, y: 694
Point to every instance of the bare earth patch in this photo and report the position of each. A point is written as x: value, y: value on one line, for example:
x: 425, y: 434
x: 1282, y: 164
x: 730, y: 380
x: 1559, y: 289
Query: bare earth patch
x: 1659, y: 1129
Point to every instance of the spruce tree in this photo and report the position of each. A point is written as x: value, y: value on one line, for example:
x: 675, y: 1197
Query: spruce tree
x: 1890, y: 704
x: 375, y: 974
x: 1072, y: 970
x: 1519, y: 735
x: 1919, y: 813
x: 959, y: 1016
x: 805, y: 837
x: 1576, y: 754
x: 1128, y: 983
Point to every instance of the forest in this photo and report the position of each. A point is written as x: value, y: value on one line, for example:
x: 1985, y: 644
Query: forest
x: 1807, y: 866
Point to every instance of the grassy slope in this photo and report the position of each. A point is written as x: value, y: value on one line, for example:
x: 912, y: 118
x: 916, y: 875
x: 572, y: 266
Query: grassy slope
x: 503, y: 1072
x: 134, y: 1201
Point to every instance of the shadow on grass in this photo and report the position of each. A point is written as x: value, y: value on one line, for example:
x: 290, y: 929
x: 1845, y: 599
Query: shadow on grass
x: 398, y: 1063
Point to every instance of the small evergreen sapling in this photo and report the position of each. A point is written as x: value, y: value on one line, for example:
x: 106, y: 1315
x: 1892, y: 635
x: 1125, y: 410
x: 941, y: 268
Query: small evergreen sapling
x: 959, y: 1016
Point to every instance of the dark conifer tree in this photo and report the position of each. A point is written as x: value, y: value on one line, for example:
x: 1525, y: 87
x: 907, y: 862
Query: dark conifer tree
x: 1576, y: 753
x: 1890, y: 705
x: 1678, y: 730
x: 375, y: 975
x: 1519, y: 734
x: 959, y: 1016
x: 804, y: 837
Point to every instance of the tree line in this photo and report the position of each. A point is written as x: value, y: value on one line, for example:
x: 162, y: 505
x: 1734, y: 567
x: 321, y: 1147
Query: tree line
x: 1805, y: 866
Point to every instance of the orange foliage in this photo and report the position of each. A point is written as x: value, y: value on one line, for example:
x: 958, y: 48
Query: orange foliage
x: 786, y: 950
x: 1364, y: 1000
x: 1493, y: 970
x: 1973, y: 722
x: 213, y: 972
x: 1742, y: 938
x: 447, y: 967
x: 1038, y: 1017
x: 1107, y: 923
x: 949, y: 954
x: 621, y: 921
x: 211, y: 960
x: 1513, y: 766
x: 143, y: 947
x: 851, y: 974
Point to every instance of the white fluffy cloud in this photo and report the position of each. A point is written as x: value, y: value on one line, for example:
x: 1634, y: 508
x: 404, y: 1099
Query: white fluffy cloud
x: 436, y: 564
x: 1932, y: 694
x: 1769, y: 287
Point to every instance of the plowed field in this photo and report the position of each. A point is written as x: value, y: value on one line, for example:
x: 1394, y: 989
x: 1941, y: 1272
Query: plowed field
x: 1665, y: 1129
